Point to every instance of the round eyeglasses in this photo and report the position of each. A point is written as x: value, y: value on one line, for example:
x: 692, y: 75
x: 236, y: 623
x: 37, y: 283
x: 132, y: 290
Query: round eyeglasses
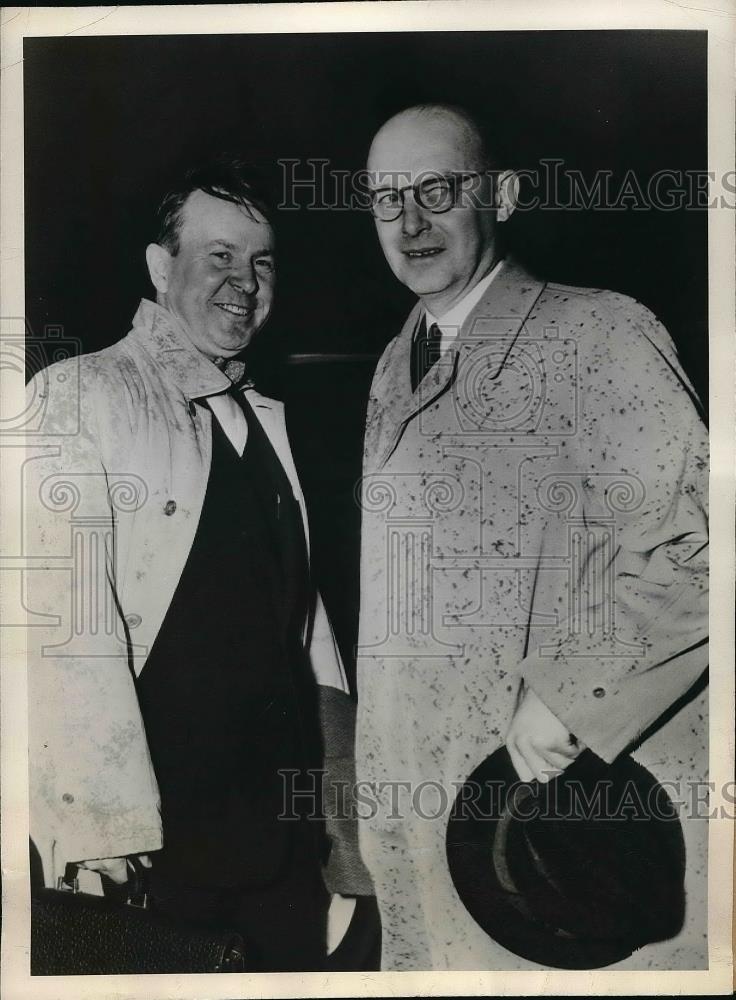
x: 437, y: 193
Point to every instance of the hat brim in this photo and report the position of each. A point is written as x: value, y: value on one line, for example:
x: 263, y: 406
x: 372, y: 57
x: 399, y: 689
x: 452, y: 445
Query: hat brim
x: 501, y: 913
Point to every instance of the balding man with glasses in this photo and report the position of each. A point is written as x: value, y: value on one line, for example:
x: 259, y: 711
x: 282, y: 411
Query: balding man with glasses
x: 507, y: 415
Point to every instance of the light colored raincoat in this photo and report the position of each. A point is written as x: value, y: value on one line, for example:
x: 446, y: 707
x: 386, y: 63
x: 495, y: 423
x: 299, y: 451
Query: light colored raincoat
x: 118, y: 458
x: 534, y: 513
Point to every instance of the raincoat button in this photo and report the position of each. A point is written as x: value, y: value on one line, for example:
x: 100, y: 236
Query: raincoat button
x: 67, y: 797
x: 170, y: 507
x: 133, y: 620
x: 599, y: 692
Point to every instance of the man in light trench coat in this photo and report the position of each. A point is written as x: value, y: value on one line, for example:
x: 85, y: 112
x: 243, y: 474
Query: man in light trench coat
x: 534, y: 542
x: 187, y: 659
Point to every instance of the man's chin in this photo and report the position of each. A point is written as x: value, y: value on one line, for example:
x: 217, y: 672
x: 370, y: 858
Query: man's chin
x: 422, y: 285
x: 425, y: 278
x: 234, y: 349
x: 235, y: 339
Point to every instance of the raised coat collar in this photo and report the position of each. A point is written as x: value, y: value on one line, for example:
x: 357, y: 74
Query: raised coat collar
x: 164, y: 339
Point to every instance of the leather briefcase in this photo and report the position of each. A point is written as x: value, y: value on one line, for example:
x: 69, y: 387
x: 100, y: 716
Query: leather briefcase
x: 75, y: 933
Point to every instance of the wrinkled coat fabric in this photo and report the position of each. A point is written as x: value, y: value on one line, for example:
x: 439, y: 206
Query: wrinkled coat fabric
x: 114, y: 480
x: 534, y: 514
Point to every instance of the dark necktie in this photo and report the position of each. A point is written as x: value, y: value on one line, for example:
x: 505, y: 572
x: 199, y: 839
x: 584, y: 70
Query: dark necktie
x: 425, y: 352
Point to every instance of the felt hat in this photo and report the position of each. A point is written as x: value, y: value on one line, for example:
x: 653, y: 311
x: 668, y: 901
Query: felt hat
x: 574, y: 874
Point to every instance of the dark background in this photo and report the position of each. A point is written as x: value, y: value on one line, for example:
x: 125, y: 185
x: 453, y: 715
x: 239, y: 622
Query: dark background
x: 109, y: 120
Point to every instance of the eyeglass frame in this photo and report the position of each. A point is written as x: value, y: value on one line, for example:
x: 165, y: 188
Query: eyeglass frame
x: 458, y: 176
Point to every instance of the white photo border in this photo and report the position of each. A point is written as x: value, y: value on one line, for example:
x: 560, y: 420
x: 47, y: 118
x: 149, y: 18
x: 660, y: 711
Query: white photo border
x: 719, y: 21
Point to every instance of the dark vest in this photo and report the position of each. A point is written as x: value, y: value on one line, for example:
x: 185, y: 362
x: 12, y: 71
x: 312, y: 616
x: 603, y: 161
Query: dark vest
x: 227, y: 695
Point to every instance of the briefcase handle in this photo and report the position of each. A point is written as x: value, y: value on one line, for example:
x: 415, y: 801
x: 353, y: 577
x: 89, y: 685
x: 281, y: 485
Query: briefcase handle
x: 137, y: 891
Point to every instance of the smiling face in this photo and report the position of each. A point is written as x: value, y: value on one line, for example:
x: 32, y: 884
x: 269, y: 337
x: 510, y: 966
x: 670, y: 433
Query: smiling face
x: 438, y: 256
x: 220, y: 283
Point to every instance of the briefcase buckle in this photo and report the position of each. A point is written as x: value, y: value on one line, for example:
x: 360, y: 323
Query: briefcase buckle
x: 68, y: 882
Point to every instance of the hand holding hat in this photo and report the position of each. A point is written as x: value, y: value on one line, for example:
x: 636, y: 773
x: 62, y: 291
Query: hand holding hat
x: 576, y: 872
x: 538, y: 743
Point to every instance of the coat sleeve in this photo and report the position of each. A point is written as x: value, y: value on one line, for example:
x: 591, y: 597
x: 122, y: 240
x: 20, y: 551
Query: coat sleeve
x: 636, y: 637
x: 92, y: 789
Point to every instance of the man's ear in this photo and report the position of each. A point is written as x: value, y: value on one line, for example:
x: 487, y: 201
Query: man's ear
x: 507, y: 195
x: 158, y: 260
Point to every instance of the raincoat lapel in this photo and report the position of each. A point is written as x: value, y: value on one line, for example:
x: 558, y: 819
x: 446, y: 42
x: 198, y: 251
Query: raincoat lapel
x: 495, y: 321
x: 392, y: 388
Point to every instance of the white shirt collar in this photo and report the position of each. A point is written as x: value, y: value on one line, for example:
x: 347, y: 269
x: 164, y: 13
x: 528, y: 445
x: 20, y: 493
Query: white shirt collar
x: 453, y: 319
